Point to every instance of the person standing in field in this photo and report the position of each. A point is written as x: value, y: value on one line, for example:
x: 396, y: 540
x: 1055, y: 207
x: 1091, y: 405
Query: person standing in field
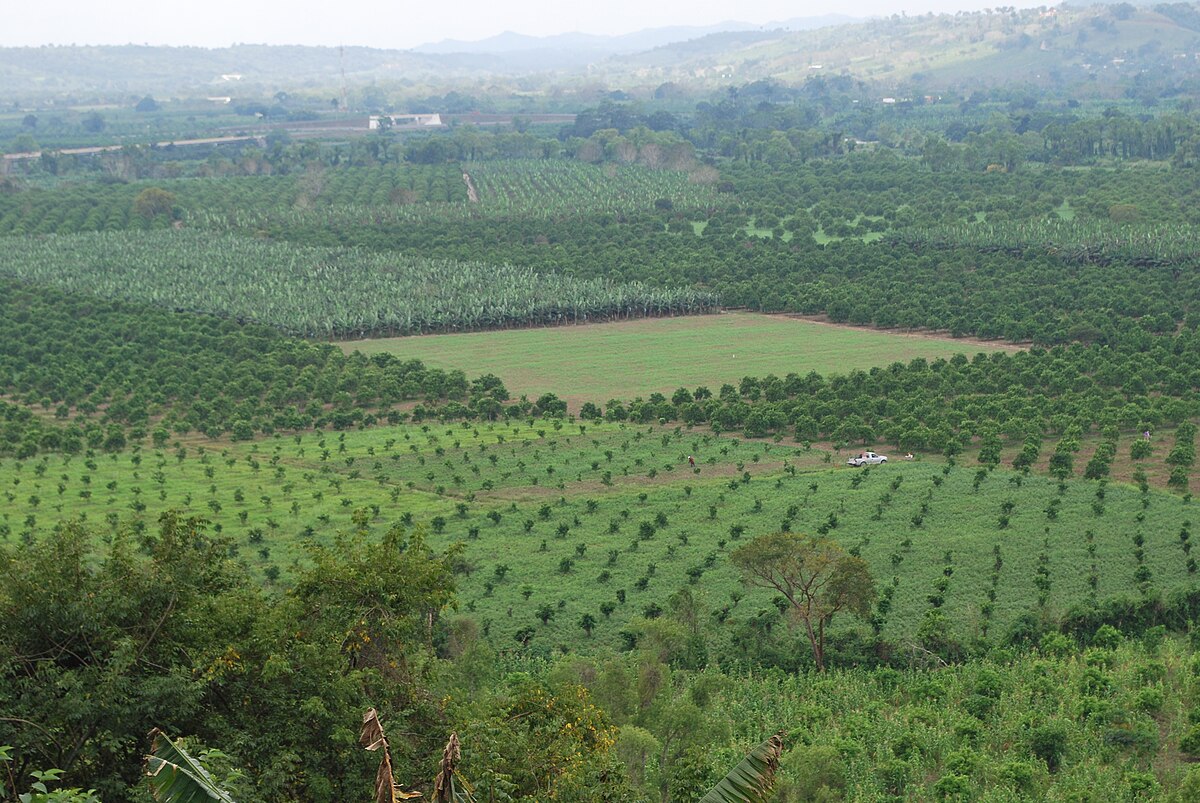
x: 691, y: 461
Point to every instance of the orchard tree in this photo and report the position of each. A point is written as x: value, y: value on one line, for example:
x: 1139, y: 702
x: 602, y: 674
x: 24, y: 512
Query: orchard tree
x: 814, y: 574
x: 152, y: 202
x: 93, y: 122
x: 989, y: 451
x: 1062, y: 464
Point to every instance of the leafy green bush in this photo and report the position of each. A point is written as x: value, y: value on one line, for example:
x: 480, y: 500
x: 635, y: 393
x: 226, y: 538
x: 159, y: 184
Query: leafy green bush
x: 1107, y: 637
x: 1049, y: 743
x: 1190, y: 743
x: 812, y: 773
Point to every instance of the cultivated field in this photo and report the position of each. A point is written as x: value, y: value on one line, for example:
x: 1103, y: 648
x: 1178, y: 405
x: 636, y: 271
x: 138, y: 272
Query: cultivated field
x: 610, y: 520
x: 634, y: 358
x: 324, y: 292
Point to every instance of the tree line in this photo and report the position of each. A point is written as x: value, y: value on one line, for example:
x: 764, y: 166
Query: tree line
x: 99, y: 371
x: 944, y: 405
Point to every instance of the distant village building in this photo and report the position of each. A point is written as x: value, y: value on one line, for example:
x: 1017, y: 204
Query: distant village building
x: 377, y: 121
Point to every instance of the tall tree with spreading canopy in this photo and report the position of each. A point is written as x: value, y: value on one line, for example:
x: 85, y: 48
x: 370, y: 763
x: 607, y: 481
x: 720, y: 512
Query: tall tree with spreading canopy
x: 816, y: 576
x: 153, y: 201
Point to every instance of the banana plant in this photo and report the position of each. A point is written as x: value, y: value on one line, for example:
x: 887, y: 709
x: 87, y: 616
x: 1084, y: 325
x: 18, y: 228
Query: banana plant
x: 752, y: 779
x: 326, y: 292
x: 448, y: 786
x: 176, y: 777
x: 373, y: 738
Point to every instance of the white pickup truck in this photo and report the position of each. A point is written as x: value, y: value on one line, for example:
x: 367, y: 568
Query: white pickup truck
x: 866, y: 459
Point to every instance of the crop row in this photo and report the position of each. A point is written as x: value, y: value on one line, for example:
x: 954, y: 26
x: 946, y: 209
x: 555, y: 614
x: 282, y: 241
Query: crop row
x: 1075, y: 241
x: 380, y: 185
x: 528, y: 190
x: 87, y: 361
x: 326, y: 292
x: 561, y: 521
x: 394, y: 194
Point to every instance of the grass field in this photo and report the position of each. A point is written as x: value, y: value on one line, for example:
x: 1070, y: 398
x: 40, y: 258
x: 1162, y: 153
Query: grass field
x: 584, y: 518
x: 622, y: 360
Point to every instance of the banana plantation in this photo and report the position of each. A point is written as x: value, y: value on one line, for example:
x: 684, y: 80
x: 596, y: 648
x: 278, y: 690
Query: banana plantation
x: 324, y: 292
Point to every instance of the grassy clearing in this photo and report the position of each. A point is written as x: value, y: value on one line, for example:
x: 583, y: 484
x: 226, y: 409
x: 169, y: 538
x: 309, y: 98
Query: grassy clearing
x: 822, y: 238
x: 581, y: 519
x: 635, y: 358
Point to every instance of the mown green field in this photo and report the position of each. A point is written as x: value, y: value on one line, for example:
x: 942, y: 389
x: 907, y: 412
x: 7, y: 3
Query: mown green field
x: 572, y: 519
x: 633, y: 358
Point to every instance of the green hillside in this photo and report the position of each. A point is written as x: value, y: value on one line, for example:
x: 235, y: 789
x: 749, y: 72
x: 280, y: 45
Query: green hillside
x: 1057, y: 47
x: 1087, y: 48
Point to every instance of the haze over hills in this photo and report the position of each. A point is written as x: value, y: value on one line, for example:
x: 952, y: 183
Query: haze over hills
x: 1092, y: 50
x: 647, y: 39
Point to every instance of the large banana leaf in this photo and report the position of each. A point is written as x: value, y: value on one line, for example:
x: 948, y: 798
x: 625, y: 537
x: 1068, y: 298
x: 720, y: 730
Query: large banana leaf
x: 751, y: 780
x: 176, y: 777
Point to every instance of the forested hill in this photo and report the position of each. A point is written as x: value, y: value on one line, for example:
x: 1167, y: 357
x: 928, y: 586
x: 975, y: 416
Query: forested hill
x: 1090, y: 48
x: 1086, y: 51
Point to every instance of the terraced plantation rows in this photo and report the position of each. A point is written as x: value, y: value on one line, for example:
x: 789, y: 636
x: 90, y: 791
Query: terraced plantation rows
x: 566, y: 520
x: 391, y: 194
x: 534, y: 189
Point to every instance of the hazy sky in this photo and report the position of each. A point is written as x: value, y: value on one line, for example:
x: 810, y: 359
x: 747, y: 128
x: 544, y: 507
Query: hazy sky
x: 218, y: 23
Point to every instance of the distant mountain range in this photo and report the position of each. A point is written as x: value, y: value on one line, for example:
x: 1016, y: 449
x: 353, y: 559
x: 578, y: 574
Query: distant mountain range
x: 1109, y: 51
x: 594, y: 44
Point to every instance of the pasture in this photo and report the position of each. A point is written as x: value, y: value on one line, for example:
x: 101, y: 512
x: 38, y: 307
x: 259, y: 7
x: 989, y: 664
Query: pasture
x: 633, y: 358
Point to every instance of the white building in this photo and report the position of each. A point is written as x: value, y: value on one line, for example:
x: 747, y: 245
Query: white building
x: 407, y: 120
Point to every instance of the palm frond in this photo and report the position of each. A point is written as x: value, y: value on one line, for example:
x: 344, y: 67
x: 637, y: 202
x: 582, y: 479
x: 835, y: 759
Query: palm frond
x: 176, y: 777
x: 751, y: 780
